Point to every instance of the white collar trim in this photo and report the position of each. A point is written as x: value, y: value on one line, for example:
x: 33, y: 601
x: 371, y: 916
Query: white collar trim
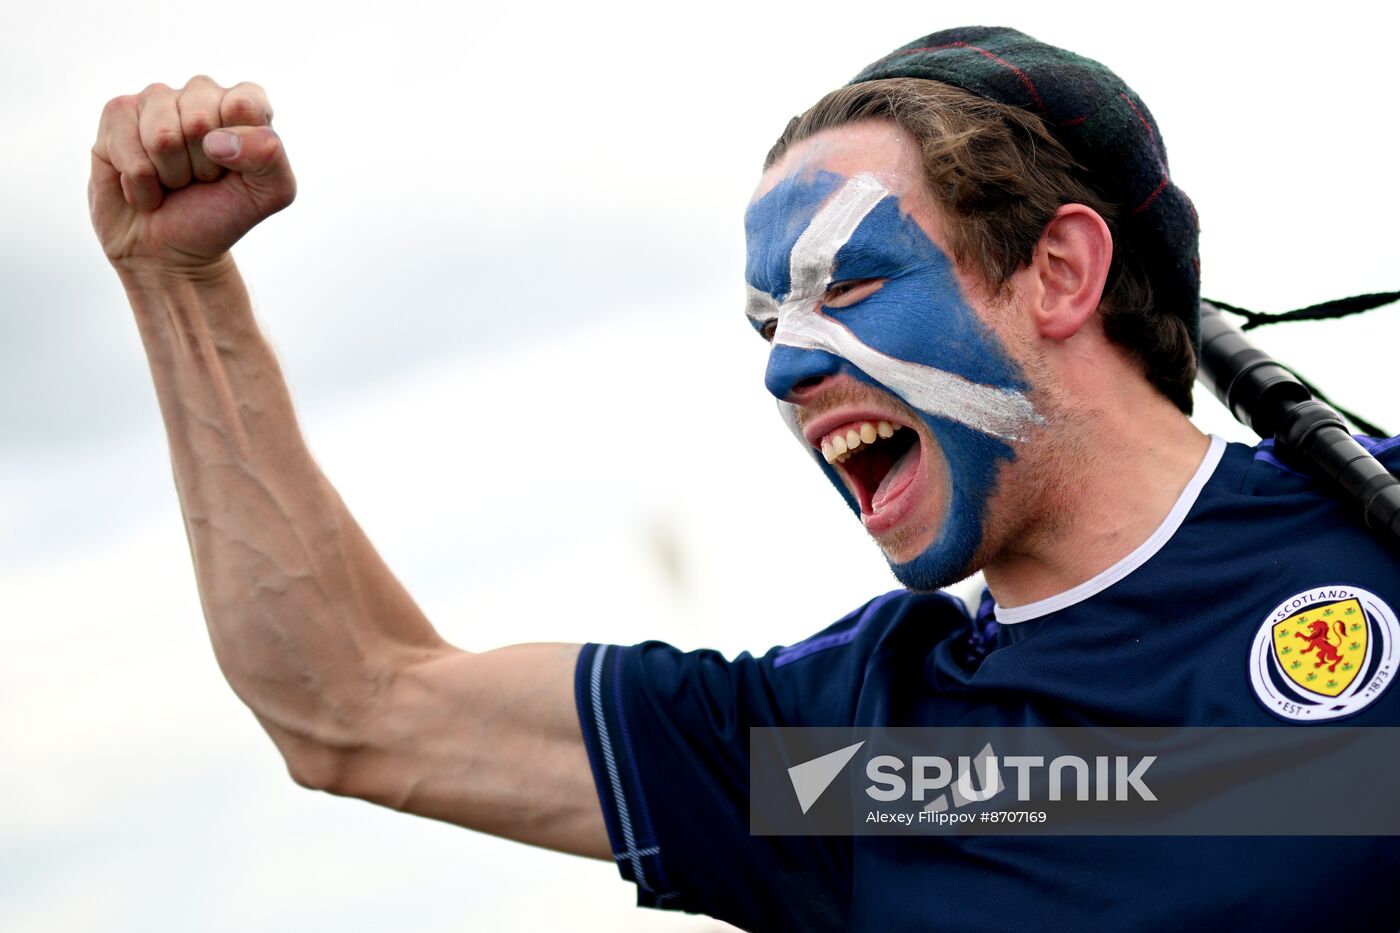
x: 1140, y: 555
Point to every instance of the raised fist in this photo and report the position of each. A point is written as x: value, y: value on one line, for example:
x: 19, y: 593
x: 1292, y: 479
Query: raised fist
x: 179, y: 176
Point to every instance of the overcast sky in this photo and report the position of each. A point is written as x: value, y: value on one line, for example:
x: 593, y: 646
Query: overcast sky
x: 528, y: 221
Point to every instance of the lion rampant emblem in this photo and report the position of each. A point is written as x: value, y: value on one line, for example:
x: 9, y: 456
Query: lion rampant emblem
x: 1319, y: 637
x: 1322, y: 647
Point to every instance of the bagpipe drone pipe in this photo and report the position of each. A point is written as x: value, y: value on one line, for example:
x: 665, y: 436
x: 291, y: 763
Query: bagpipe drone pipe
x: 1306, y: 427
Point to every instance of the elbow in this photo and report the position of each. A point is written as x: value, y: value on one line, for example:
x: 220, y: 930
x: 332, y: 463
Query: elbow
x: 319, y: 768
x: 320, y: 754
x: 343, y: 770
x: 365, y: 749
x: 325, y: 743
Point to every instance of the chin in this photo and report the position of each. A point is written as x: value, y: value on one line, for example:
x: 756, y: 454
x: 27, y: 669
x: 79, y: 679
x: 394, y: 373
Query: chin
x: 949, y: 559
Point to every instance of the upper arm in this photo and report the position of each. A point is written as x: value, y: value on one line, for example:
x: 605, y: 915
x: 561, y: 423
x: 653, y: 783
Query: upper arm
x: 670, y: 733
x: 490, y: 741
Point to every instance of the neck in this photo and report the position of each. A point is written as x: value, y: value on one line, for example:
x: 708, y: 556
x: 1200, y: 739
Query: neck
x: 1119, y: 465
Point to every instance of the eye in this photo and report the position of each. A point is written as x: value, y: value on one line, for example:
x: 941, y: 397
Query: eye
x: 845, y: 294
x: 770, y: 327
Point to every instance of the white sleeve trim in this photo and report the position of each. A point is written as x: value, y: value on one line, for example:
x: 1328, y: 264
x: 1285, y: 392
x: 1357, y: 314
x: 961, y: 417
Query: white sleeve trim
x: 1140, y: 555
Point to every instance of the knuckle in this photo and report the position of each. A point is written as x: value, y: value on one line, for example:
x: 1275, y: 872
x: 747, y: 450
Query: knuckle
x: 241, y: 108
x: 196, y: 123
x: 117, y: 105
x: 140, y: 171
x: 164, y: 140
x: 201, y: 80
x: 156, y: 89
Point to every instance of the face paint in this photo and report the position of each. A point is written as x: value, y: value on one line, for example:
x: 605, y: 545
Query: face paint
x: 915, y: 338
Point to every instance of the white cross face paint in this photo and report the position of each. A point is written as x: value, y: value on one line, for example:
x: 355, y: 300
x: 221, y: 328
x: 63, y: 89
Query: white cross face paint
x: 914, y: 338
x: 991, y: 409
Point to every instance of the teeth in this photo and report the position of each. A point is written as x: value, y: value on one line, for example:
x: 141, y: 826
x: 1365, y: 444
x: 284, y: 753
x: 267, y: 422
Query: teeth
x: 838, y: 448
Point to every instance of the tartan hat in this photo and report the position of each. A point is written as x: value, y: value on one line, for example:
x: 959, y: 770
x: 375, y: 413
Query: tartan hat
x: 1104, y: 125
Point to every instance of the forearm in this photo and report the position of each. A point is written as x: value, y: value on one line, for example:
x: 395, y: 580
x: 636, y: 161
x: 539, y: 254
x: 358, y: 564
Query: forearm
x: 307, y: 623
x: 311, y: 629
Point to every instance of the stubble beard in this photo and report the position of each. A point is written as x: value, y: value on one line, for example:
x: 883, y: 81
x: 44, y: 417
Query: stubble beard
x: 1031, y: 504
x: 1028, y: 505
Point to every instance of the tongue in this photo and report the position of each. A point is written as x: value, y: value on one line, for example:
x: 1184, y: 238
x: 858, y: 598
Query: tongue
x: 898, y: 477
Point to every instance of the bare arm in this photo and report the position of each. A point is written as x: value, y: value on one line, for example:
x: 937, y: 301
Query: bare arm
x: 312, y: 630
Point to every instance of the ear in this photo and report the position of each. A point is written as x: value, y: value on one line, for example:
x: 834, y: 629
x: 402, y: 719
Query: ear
x: 1069, y: 269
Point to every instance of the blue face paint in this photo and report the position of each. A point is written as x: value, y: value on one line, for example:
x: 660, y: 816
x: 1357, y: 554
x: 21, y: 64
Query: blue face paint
x: 915, y: 338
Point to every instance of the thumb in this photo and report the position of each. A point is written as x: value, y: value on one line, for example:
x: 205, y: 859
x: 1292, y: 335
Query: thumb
x: 256, y: 153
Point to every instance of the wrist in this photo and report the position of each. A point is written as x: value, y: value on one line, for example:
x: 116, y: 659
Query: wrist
x: 143, y: 274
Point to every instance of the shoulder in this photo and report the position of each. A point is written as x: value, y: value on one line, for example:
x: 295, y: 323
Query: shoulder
x: 1262, y: 503
x: 818, y: 681
x: 1266, y: 520
x: 872, y: 624
x: 1269, y: 470
x: 829, y: 672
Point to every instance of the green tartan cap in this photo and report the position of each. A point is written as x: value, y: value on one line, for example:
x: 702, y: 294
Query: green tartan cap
x: 1098, y: 118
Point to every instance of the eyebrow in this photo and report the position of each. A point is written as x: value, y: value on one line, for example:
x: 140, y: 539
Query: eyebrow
x: 870, y: 257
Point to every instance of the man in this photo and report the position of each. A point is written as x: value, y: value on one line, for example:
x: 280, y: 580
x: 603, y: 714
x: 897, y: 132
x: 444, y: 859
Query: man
x: 980, y: 287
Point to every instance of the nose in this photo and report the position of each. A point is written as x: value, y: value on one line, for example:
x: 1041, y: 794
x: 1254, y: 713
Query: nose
x: 794, y: 374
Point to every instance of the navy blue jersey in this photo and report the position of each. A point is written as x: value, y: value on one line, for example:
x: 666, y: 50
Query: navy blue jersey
x: 1184, y: 631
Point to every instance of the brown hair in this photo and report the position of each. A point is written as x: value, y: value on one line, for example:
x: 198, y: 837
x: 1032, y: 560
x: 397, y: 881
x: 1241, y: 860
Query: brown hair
x: 999, y: 175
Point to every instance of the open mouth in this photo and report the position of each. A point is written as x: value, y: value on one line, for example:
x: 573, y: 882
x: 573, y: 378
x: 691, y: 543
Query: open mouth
x: 879, y: 459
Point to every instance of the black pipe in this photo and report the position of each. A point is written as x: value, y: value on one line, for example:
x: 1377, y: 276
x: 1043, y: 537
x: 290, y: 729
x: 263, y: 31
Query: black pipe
x: 1274, y: 403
